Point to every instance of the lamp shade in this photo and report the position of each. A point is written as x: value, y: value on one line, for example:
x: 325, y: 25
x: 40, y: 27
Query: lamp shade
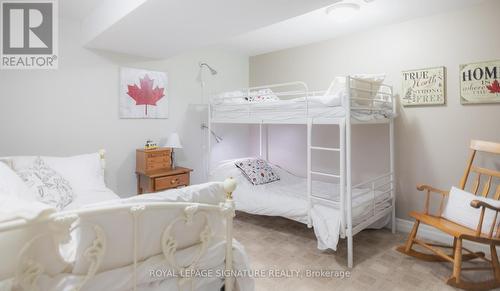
x: 173, y: 141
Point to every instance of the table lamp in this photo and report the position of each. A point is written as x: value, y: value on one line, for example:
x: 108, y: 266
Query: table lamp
x: 174, y: 142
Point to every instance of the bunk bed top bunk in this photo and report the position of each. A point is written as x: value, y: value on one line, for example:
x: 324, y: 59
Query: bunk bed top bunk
x: 364, y: 98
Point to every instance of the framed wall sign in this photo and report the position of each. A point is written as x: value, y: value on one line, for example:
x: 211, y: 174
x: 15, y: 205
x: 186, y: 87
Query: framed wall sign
x: 423, y: 87
x: 143, y: 94
x: 479, y: 83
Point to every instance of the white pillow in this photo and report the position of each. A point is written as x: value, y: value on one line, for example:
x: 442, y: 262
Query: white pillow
x: 334, y: 93
x: 17, y: 200
x: 12, y: 185
x: 372, y: 78
x: 83, y: 172
x: 22, y: 162
x: 458, y: 210
x: 374, y: 82
x: 7, y: 161
x: 51, y: 188
x: 337, y: 89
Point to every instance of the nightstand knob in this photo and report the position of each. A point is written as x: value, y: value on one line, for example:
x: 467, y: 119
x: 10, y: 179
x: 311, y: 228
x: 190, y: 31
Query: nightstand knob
x: 174, y: 181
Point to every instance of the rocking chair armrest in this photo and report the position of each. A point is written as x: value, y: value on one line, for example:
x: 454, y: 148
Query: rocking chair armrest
x: 428, y: 190
x: 424, y: 187
x: 478, y: 204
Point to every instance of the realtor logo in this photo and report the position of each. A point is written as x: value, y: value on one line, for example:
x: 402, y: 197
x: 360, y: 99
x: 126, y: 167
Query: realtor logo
x: 29, y: 34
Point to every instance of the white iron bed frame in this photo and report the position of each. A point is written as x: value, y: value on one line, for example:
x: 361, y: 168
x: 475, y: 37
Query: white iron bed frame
x: 28, y: 270
x: 344, y: 150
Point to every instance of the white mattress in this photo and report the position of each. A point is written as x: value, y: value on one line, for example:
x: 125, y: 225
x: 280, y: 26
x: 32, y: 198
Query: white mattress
x: 289, y: 109
x: 288, y: 198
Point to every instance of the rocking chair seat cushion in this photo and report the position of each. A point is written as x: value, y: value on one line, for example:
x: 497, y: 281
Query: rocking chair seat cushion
x: 458, y: 210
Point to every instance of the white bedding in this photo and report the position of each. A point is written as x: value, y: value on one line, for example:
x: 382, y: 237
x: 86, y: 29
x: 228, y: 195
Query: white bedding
x: 121, y: 279
x: 276, y: 110
x: 291, y: 108
x: 231, y: 106
x: 90, y: 197
x: 288, y: 198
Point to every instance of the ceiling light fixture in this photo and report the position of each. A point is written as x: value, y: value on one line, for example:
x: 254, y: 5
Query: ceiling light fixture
x: 342, y: 11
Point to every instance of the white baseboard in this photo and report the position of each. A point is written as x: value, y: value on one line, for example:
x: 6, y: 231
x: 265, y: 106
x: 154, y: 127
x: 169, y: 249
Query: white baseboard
x: 430, y: 233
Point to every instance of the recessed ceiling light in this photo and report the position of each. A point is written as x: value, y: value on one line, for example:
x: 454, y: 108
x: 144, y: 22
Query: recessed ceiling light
x: 342, y: 11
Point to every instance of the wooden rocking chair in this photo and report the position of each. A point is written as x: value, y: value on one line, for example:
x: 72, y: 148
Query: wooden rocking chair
x: 459, y: 232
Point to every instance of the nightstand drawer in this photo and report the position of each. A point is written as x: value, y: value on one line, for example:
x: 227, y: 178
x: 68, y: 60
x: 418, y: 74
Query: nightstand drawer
x: 158, y: 155
x: 156, y: 160
x: 157, y: 166
x: 169, y: 182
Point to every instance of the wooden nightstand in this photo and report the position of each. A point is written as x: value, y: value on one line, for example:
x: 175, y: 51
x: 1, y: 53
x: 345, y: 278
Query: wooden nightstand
x: 154, y: 171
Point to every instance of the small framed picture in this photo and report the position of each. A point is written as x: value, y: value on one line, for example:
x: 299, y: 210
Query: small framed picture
x: 479, y: 83
x: 424, y: 87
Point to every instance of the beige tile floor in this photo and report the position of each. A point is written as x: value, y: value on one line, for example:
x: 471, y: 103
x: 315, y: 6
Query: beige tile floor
x: 278, y: 243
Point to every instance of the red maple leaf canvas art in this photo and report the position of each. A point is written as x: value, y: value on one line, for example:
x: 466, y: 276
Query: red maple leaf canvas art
x: 143, y: 94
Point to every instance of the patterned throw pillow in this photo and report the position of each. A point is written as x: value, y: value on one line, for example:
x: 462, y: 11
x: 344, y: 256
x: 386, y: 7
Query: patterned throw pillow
x: 51, y: 188
x: 257, y: 171
x: 263, y: 95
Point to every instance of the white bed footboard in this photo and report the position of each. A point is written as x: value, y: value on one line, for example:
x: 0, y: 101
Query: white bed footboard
x: 31, y: 256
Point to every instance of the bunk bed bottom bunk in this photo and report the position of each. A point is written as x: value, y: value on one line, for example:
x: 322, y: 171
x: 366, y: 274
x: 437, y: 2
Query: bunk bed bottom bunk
x: 287, y: 198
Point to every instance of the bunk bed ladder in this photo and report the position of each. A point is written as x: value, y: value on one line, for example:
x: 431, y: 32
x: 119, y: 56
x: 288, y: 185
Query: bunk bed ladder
x: 340, y: 177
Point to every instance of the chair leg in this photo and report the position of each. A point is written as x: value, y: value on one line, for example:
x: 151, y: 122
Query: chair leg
x: 412, y: 236
x: 457, y: 260
x: 458, y: 282
x: 494, y: 262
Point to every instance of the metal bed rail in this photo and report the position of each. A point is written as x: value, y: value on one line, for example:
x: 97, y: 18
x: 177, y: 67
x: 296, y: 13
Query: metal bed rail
x: 25, y: 268
x: 377, y: 99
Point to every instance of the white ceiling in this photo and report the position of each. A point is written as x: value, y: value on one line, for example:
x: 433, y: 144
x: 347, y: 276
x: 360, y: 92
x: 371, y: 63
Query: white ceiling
x: 163, y: 28
x: 160, y: 28
x: 317, y: 25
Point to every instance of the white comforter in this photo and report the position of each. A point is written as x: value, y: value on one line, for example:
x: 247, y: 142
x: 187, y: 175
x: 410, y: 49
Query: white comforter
x: 288, y: 198
x: 156, y: 274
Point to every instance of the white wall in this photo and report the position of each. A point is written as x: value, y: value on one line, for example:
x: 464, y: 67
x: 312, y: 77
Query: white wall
x: 431, y: 142
x: 74, y: 109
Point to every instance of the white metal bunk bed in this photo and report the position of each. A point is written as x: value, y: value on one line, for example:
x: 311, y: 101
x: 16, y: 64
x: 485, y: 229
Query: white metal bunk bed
x: 366, y: 104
